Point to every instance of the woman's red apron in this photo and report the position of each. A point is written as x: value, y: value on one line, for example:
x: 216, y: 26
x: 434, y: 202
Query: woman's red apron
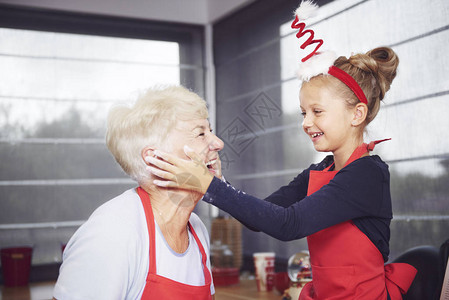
x: 158, y: 287
x: 334, y: 251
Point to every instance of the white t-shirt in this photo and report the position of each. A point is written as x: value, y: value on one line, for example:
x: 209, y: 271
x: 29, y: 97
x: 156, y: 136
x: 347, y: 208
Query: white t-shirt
x: 108, y: 256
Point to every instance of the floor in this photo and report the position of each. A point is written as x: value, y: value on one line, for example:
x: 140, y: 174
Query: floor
x: 245, y: 290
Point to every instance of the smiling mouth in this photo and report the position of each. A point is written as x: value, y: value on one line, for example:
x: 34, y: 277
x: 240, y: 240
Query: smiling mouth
x: 210, y: 164
x: 314, y: 135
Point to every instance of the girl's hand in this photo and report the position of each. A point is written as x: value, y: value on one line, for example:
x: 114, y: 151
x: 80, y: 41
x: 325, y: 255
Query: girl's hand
x: 217, y: 168
x: 176, y: 172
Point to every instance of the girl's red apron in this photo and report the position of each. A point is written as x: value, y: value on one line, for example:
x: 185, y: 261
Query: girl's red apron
x: 158, y: 287
x: 334, y: 251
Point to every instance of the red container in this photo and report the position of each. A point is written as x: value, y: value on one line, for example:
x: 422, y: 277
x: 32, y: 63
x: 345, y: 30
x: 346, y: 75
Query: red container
x: 225, y: 276
x: 16, y: 264
x: 281, y: 282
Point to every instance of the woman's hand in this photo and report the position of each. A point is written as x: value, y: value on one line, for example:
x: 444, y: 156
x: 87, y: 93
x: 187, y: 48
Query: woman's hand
x: 176, y: 172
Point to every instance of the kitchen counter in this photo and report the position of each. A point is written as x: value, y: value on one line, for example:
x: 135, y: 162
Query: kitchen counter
x: 245, y: 290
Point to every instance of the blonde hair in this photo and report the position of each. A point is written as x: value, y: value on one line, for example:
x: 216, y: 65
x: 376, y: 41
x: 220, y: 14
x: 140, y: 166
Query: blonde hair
x: 148, y: 123
x: 374, y: 71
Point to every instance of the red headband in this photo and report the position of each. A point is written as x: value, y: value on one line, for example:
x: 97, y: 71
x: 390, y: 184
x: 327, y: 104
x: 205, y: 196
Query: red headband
x: 349, y: 81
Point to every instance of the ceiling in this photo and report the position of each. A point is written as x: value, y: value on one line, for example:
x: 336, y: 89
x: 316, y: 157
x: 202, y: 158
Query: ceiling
x: 199, y: 12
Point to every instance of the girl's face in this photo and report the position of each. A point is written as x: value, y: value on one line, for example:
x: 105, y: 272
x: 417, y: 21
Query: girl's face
x: 327, y: 119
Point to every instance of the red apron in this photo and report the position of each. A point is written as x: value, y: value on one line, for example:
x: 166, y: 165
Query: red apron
x: 345, y: 263
x: 160, y: 288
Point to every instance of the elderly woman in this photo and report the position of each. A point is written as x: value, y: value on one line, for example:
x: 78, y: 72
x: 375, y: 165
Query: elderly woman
x: 147, y: 243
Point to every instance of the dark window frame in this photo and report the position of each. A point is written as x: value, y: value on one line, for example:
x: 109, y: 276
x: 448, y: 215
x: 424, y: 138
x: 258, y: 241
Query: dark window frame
x: 190, y: 37
x: 21, y: 17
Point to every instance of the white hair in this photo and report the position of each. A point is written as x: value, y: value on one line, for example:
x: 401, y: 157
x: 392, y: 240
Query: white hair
x: 148, y: 123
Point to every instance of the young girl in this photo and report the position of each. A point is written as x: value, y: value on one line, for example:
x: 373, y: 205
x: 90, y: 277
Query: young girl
x: 342, y: 204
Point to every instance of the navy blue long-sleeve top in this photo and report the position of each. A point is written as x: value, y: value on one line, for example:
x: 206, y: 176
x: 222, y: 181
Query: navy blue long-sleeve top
x: 359, y: 192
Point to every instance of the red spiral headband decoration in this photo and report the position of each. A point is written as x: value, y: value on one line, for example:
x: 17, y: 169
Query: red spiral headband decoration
x: 309, y: 41
x: 315, y: 67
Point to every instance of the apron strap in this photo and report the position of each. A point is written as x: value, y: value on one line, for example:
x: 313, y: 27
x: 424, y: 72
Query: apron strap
x: 359, y: 151
x: 207, y: 277
x: 362, y: 149
x: 152, y: 237
x: 145, y: 198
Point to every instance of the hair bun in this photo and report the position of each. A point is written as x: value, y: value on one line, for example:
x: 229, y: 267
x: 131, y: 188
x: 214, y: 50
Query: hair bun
x: 374, y: 71
x: 382, y: 63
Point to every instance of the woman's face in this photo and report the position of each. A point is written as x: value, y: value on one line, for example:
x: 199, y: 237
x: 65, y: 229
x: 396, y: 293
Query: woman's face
x: 327, y: 119
x: 197, y: 135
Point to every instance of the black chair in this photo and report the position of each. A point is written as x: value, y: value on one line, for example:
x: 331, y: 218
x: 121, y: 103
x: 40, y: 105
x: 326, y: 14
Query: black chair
x: 427, y: 283
x: 444, y: 255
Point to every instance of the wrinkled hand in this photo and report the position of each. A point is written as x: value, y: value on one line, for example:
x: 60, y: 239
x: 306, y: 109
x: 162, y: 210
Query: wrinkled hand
x: 176, y: 172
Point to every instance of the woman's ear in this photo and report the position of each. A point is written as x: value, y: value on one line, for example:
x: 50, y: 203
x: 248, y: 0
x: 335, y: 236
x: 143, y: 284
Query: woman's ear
x: 147, y: 151
x: 360, y: 112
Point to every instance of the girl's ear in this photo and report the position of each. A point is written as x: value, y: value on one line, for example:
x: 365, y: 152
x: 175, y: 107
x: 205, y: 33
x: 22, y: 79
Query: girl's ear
x: 147, y: 151
x: 360, y: 112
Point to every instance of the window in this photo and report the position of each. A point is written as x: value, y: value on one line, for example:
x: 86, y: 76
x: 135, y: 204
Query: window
x: 57, y: 83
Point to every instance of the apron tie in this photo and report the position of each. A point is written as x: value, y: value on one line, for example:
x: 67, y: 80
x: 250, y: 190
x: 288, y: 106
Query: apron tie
x: 399, y: 278
x: 371, y: 145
